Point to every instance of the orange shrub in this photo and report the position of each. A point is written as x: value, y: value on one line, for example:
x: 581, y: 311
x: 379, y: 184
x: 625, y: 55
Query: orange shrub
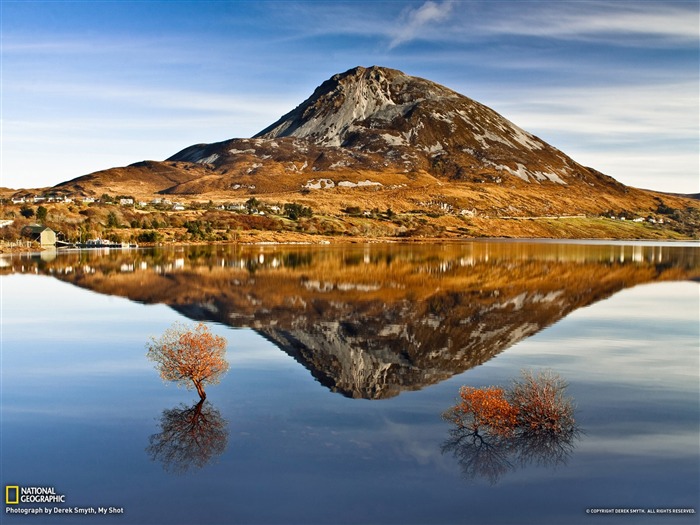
x: 485, y: 408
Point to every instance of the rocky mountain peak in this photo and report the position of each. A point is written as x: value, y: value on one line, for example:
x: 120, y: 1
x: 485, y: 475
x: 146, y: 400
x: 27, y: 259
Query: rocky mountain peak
x: 349, y: 101
x: 418, y: 124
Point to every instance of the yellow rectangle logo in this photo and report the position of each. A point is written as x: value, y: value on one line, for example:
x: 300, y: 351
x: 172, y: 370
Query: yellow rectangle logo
x: 9, y: 500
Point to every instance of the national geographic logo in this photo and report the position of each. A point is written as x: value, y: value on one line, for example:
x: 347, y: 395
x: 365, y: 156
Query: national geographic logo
x: 11, y: 494
x: 14, y: 495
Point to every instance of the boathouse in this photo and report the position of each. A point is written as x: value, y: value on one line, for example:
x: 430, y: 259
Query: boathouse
x: 44, y: 235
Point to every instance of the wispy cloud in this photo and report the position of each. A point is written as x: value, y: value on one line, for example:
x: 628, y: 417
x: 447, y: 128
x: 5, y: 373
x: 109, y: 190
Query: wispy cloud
x: 138, y: 96
x: 608, y: 21
x: 413, y: 21
x: 643, y: 24
x: 663, y: 111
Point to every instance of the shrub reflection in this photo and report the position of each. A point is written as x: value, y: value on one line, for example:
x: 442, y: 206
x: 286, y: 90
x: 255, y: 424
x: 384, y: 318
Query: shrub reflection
x: 496, y: 431
x: 189, y: 437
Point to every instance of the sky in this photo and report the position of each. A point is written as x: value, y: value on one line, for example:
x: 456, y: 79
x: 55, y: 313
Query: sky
x: 90, y: 85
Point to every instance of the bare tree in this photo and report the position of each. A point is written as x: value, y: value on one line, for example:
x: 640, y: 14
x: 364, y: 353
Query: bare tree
x: 541, y: 404
x: 189, y: 356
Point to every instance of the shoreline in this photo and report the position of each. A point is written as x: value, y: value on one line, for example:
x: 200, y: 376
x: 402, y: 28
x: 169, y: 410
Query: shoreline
x: 339, y: 241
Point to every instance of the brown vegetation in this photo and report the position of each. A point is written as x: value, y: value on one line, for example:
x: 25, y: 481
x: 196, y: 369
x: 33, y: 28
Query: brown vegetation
x: 541, y: 405
x: 330, y: 215
x: 535, y: 404
x: 484, y: 409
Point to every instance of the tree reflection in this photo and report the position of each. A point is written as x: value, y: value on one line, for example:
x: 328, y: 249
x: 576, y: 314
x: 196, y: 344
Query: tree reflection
x: 546, y: 449
x: 189, y: 437
x: 491, y: 456
x: 479, y: 456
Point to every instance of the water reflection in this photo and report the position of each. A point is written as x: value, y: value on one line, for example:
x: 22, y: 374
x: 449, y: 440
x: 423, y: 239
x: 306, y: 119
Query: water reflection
x: 372, y: 321
x: 189, y: 437
x: 491, y: 456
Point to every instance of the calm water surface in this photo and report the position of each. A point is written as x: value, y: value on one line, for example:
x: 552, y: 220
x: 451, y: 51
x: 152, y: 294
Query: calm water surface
x: 342, y: 361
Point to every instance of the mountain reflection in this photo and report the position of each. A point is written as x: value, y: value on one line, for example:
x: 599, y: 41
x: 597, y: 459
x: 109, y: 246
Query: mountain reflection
x: 370, y: 321
x: 189, y: 437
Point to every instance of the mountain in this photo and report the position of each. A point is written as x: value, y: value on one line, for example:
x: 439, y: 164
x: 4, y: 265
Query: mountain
x: 418, y: 124
x: 382, y: 120
x: 374, y: 139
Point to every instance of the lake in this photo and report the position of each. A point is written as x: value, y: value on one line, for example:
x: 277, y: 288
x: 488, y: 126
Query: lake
x: 342, y: 360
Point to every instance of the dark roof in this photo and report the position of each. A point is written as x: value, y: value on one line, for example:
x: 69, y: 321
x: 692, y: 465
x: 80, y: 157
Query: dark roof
x: 35, y: 228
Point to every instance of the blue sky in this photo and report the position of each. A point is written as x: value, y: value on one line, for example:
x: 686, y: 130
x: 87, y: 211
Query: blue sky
x: 88, y: 85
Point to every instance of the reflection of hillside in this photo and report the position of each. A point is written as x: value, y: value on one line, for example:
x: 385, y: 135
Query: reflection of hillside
x: 373, y: 321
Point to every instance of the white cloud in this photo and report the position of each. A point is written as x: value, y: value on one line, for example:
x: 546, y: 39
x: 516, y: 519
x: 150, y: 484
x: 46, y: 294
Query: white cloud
x: 669, y: 171
x: 164, y: 98
x: 603, y: 20
x: 414, y: 20
x: 98, y: 127
x: 621, y: 113
x: 643, y: 24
